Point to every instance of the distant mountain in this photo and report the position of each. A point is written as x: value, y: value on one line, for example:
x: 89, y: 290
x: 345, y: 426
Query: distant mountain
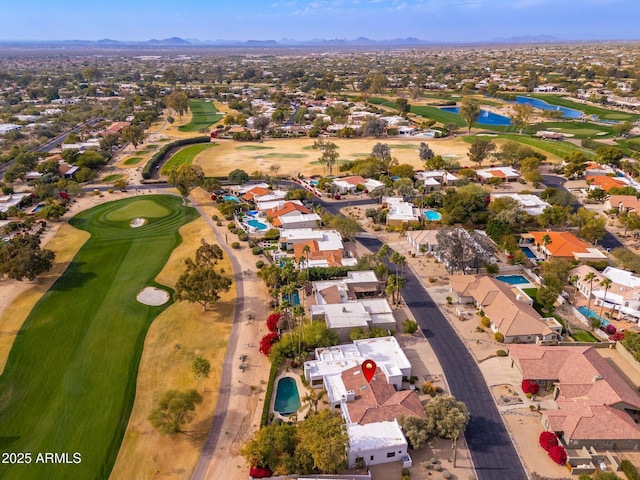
x: 177, y: 41
x: 529, y: 39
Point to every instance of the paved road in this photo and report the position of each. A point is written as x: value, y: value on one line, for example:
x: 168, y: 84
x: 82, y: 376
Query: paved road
x: 490, y: 446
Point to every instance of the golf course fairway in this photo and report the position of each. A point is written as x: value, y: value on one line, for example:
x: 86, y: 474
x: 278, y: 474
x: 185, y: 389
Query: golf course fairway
x: 69, y: 383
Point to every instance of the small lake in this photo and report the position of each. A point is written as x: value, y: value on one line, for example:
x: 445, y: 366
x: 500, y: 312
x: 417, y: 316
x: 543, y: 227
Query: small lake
x: 541, y: 104
x: 485, y: 118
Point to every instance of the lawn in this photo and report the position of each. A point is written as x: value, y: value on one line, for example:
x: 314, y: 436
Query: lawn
x: 438, y: 115
x: 204, y: 114
x: 533, y: 293
x: 69, y: 381
x: 253, y: 147
x: 133, y: 160
x: 554, y: 147
x: 583, y: 336
x: 112, y: 178
x: 185, y: 156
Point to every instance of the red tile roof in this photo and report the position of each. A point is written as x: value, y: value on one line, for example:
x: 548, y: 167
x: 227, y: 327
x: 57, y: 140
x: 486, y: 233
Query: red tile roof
x: 562, y: 244
x: 604, y: 182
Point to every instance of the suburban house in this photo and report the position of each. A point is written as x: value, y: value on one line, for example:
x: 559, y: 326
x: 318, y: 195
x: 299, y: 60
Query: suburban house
x: 255, y: 191
x: 400, y: 212
x: 622, y: 296
x: 314, y: 256
x: 327, y: 239
x: 356, y: 301
x: 510, y: 313
x: 562, y: 245
x: 532, y: 204
x: 12, y: 200
x: 605, y: 183
x: 423, y: 241
x: 297, y: 220
x: 115, y: 128
x: 624, y: 203
x: 370, y: 409
x: 506, y: 174
x: 350, y: 184
x: 435, y: 179
x: 596, y: 408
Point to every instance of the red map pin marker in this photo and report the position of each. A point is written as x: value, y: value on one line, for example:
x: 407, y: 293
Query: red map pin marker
x: 368, y: 369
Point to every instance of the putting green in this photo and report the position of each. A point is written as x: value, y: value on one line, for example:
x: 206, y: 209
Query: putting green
x: 69, y: 381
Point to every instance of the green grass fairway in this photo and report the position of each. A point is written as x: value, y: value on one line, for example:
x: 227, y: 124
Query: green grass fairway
x: 204, y: 115
x: 559, y: 149
x: 404, y: 146
x: 185, y: 156
x: 255, y: 147
x: 285, y: 155
x: 70, y: 379
x: 439, y: 115
x: 133, y: 160
x: 112, y: 178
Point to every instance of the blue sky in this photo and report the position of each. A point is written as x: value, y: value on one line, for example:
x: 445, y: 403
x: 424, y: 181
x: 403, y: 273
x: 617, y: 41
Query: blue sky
x: 436, y: 20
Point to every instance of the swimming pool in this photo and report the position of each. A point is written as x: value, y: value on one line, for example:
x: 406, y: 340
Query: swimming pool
x: 541, y: 104
x: 432, y: 215
x: 485, y: 118
x: 287, y: 396
x: 38, y: 207
x: 513, y: 279
x: 231, y: 198
x: 529, y: 253
x: 252, y: 213
x: 256, y: 224
x: 293, y: 299
x: 589, y: 313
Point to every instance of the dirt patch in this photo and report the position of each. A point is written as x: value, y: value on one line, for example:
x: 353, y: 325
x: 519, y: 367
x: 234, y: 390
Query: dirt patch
x: 153, y: 296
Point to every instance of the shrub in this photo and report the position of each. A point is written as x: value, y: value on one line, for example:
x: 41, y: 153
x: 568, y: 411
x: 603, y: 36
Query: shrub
x: 231, y: 226
x: 405, y: 471
x: 409, y: 326
x: 479, y: 329
x: 446, y: 474
x: 235, y: 245
x: 548, y: 440
x: 529, y: 386
x: 267, y: 342
x: 243, y: 237
x: 258, y: 472
x: 256, y: 250
x: 272, y: 322
x: 428, y: 388
x: 629, y: 470
x: 259, y: 264
x: 485, y: 322
x: 498, y: 337
x: 501, y: 353
x: 558, y: 454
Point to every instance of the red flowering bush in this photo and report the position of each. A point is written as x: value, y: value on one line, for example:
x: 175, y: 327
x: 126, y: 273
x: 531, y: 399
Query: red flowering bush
x: 616, y: 337
x: 548, y: 440
x: 267, y: 342
x: 529, y: 386
x: 260, y: 472
x: 610, y: 329
x: 272, y: 322
x: 558, y: 454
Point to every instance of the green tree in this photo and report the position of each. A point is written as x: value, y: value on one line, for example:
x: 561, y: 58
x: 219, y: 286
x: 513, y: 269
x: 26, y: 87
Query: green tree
x: 133, y: 134
x: 346, y: 226
x: 446, y: 416
x: 22, y: 257
x: 90, y: 159
x: 201, y: 284
x: 480, y: 149
x: 589, y: 277
x: 606, y: 283
x: 403, y: 106
x: 178, y: 101
x: 329, y: 153
x: 521, y: 115
x: 174, y: 409
x: 416, y: 430
x: 470, y: 111
x: 323, y: 437
x: 200, y: 367
x: 591, y: 227
x: 575, y: 165
x: 609, y: 155
x: 185, y: 178
x: 271, y: 446
x: 238, y: 176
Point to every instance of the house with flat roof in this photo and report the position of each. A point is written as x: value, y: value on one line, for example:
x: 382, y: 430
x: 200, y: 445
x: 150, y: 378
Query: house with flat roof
x: 297, y: 220
x: 562, y: 245
x: 532, y: 204
x: 327, y: 239
x: 510, y: 313
x: 433, y: 179
x: 506, y: 174
x: 596, y: 408
x: 400, y: 212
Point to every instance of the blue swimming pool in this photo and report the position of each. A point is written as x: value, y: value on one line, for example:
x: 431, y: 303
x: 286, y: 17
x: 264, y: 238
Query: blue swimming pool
x: 589, y: 313
x: 252, y: 213
x: 541, y: 104
x: 231, y: 198
x: 287, y: 396
x: 293, y: 299
x: 432, y: 215
x: 485, y: 118
x: 528, y: 252
x: 256, y: 224
x: 513, y: 279
x: 38, y: 208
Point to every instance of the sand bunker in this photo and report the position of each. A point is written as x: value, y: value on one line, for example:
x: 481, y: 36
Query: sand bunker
x: 137, y: 222
x: 153, y: 296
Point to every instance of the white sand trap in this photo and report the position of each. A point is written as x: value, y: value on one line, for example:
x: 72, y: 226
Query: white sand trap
x: 153, y: 296
x: 137, y: 222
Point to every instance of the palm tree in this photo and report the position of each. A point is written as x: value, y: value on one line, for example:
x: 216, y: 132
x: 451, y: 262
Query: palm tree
x: 572, y: 280
x: 606, y: 283
x: 546, y: 240
x: 589, y: 277
x: 306, y: 249
x: 313, y: 397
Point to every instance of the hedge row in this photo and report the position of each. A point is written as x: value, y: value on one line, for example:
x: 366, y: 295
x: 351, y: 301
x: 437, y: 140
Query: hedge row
x: 591, y: 144
x: 267, y: 397
x: 160, y: 154
x: 629, y: 470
